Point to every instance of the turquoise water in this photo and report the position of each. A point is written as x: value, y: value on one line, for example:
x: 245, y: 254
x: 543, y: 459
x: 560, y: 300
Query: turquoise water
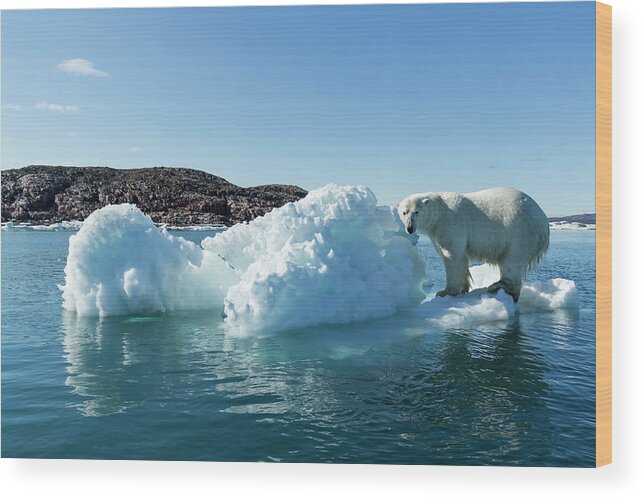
x: 177, y: 387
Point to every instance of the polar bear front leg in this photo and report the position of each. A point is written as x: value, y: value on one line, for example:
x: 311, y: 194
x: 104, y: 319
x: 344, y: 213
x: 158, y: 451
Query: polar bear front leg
x: 457, y: 275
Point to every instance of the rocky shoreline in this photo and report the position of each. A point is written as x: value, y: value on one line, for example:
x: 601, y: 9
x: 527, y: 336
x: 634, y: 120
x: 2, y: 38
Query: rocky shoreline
x: 46, y: 195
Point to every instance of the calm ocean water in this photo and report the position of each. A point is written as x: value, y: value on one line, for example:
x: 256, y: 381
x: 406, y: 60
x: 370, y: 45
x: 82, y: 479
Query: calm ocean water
x: 176, y: 387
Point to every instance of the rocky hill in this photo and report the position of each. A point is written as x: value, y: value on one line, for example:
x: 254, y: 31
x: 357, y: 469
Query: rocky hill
x: 176, y: 196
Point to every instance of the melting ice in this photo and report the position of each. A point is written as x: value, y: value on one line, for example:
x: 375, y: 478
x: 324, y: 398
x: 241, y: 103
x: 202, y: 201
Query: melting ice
x: 333, y: 257
x: 478, y: 306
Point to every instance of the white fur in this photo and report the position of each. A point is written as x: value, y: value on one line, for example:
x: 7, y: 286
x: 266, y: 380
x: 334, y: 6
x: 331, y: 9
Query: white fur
x: 501, y: 226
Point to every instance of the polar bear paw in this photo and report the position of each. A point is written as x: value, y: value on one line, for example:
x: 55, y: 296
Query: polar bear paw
x: 497, y: 286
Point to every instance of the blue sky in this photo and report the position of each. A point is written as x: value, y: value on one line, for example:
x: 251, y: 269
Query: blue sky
x: 404, y: 99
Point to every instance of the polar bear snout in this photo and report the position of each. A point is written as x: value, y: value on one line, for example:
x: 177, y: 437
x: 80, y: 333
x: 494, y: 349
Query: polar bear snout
x: 410, y: 229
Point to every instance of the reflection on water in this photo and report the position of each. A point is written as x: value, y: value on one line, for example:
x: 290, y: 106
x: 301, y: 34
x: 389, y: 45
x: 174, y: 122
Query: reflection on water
x: 421, y: 394
x: 482, y: 393
x: 397, y: 390
x: 114, y: 363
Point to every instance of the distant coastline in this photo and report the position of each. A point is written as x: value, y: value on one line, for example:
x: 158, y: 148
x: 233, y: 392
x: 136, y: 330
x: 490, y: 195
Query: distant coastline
x: 43, y: 195
x: 584, y: 221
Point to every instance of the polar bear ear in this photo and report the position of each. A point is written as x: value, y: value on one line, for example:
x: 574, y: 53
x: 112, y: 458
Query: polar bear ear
x: 428, y: 204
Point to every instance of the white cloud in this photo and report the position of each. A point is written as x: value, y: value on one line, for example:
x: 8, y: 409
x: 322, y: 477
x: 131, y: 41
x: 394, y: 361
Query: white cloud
x: 135, y: 149
x: 81, y: 67
x: 13, y: 107
x: 58, y: 108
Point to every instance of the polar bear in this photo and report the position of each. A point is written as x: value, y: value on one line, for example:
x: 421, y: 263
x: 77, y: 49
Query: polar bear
x: 501, y: 226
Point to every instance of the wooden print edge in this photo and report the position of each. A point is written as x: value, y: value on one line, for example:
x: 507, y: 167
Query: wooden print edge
x: 603, y: 234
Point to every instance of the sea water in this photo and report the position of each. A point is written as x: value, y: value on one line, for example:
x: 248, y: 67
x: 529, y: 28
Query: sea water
x: 178, y: 386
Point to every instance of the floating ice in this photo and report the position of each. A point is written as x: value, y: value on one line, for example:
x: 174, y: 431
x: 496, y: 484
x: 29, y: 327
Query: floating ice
x: 571, y: 226
x: 119, y: 263
x: 75, y: 225
x: 332, y: 257
x: 478, y: 306
x: 548, y: 295
x: 54, y: 227
x: 193, y: 228
x: 538, y: 295
x: 471, y: 308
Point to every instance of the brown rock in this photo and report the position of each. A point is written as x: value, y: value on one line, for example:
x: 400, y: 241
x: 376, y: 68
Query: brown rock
x: 177, y: 196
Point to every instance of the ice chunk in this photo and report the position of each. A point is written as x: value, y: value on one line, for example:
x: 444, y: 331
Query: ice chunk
x: 537, y: 295
x: 120, y: 263
x: 467, y: 309
x: 333, y: 257
x: 481, y: 307
x: 548, y: 295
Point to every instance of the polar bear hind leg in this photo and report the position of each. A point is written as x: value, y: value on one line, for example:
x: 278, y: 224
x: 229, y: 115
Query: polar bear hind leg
x: 512, y: 270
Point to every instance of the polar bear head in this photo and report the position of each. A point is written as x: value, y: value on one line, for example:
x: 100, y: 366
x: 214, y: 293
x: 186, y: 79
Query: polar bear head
x: 410, y: 211
x: 421, y: 212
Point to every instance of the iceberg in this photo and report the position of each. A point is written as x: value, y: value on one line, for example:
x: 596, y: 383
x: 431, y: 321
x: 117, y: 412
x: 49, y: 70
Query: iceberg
x: 120, y: 263
x: 333, y: 257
